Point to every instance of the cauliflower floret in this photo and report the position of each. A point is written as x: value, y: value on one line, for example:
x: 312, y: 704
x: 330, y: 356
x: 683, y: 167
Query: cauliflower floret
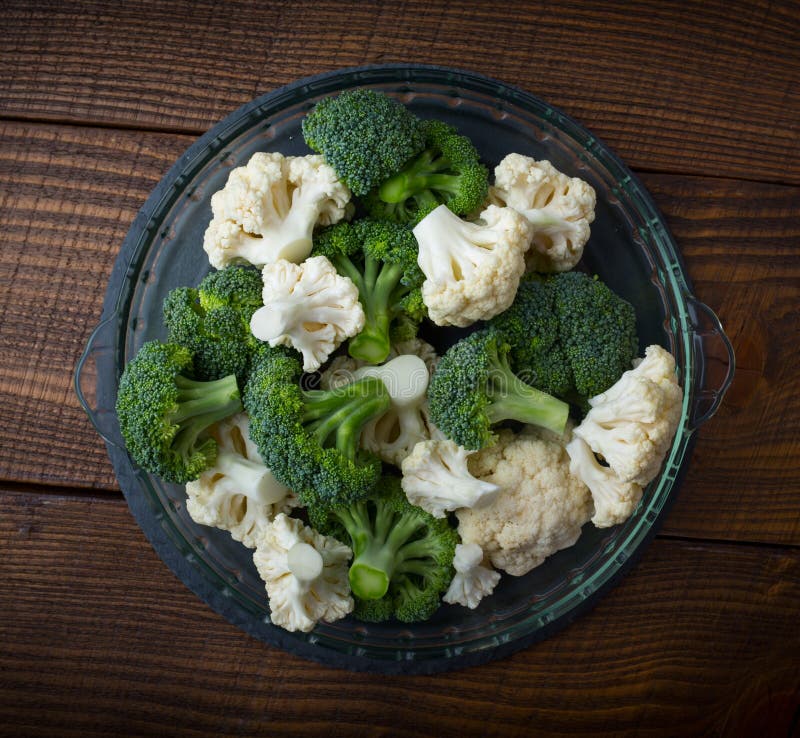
x: 472, y: 581
x: 614, y: 500
x: 309, y: 307
x: 437, y: 479
x: 472, y: 270
x: 237, y: 494
x: 342, y: 368
x: 417, y: 347
x: 559, y: 209
x: 632, y: 424
x: 394, y: 434
x: 340, y: 371
x: 305, y: 574
x: 540, y: 509
x: 268, y: 209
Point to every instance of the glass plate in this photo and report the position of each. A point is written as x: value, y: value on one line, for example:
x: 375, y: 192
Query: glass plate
x: 630, y: 248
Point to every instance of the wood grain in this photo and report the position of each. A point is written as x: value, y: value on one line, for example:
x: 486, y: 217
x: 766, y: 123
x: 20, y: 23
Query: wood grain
x: 708, y: 88
x: 81, y: 187
x: 67, y: 197
x: 98, y: 638
x: 741, y: 243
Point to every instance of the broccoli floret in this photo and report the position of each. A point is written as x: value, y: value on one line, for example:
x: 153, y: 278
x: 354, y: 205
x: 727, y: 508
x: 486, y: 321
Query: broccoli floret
x: 530, y: 326
x: 402, y: 555
x: 365, y: 135
x: 381, y: 259
x: 447, y: 172
x: 473, y: 388
x: 164, y: 415
x: 237, y: 287
x: 309, y: 437
x: 597, y: 331
x: 213, y: 321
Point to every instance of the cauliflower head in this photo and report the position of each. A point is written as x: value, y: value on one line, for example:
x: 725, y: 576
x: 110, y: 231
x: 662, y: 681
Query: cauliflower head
x: 393, y: 435
x: 540, y: 509
x: 305, y: 574
x: 472, y: 270
x: 559, y: 209
x: 309, y: 307
x: 632, y: 424
x: 269, y: 208
x: 437, y: 479
x: 614, y: 500
x: 472, y: 581
x: 239, y: 493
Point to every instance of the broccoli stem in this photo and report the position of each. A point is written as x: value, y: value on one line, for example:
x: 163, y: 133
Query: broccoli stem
x: 512, y: 399
x: 205, y: 402
x: 382, y: 552
x: 426, y: 172
x: 200, y: 404
x: 336, y: 417
x: 378, y: 292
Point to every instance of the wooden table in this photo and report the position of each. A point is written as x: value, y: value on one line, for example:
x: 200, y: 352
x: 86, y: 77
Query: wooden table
x: 97, y: 99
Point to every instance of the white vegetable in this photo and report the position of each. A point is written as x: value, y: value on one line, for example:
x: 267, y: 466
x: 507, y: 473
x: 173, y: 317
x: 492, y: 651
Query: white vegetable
x: 394, y: 434
x: 559, y: 209
x: 268, y: 209
x: 437, y: 479
x: 305, y: 574
x: 238, y: 494
x: 417, y: 347
x: 631, y: 426
x: 472, y: 581
x: 406, y: 379
x: 472, y: 270
x: 309, y: 307
x: 342, y: 368
x: 540, y: 509
x: 614, y: 500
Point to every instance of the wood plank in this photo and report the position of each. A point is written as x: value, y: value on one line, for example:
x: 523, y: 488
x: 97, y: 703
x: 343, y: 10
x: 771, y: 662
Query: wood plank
x: 99, y: 639
x: 68, y: 195
x: 741, y: 242
x: 676, y: 87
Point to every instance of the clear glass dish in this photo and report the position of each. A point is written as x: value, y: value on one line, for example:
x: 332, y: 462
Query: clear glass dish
x: 630, y: 248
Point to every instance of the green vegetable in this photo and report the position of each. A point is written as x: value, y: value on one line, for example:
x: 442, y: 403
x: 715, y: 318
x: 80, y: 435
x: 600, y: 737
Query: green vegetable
x: 381, y: 259
x: 309, y: 437
x: 365, y: 136
x: 597, y: 330
x: 448, y: 172
x: 473, y: 388
x: 531, y: 328
x: 163, y: 414
x: 213, y: 321
x: 402, y: 555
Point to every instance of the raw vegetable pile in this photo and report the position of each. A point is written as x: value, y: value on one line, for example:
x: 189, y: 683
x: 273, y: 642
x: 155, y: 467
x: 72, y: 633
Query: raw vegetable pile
x: 371, y: 472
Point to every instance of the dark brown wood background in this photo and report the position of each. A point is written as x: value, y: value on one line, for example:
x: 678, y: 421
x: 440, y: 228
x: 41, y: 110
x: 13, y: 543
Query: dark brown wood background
x: 97, y: 99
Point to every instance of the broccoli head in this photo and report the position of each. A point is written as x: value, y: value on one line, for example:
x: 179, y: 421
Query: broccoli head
x: 213, y: 321
x: 530, y: 326
x: 365, y: 135
x: 402, y: 555
x: 237, y: 287
x: 447, y: 172
x: 309, y: 438
x: 381, y: 259
x: 164, y: 415
x: 597, y: 331
x: 570, y: 335
x: 473, y: 388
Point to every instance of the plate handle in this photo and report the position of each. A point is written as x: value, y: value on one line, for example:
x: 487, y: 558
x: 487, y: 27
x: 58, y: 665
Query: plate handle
x: 714, y: 359
x: 98, y: 356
